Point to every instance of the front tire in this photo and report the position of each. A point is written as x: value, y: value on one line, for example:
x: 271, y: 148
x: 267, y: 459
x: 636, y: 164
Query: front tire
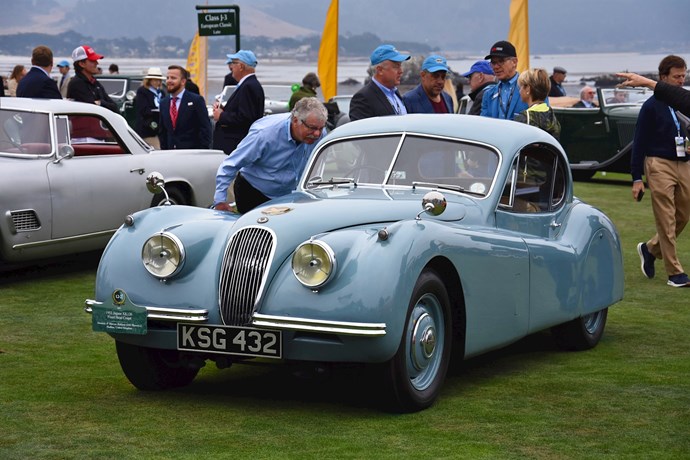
x: 154, y: 369
x: 417, y: 371
x: 581, y: 333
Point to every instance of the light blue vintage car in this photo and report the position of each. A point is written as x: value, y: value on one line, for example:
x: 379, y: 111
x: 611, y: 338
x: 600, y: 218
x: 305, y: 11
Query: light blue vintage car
x: 409, y: 239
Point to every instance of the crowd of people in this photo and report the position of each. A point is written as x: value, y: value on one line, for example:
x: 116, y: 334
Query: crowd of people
x: 266, y: 155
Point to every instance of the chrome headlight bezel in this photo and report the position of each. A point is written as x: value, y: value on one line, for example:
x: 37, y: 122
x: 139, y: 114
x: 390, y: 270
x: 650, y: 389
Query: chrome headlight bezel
x: 322, y: 257
x: 171, y: 244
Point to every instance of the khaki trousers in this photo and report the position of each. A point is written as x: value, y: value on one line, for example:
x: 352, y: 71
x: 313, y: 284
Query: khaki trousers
x: 669, y: 182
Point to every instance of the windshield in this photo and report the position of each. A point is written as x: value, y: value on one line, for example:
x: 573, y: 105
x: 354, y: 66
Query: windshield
x: 406, y: 160
x: 114, y: 87
x: 619, y: 96
x: 25, y: 133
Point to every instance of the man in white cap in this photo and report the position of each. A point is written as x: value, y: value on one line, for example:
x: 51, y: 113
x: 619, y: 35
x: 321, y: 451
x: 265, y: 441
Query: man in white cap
x: 380, y: 96
x: 245, y: 106
x: 84, y: 87
x: 63, y: 81
x: 428, y: 96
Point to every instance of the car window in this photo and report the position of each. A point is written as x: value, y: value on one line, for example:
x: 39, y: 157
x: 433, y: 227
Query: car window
x: 364, y: 159
x: 536, y: 182
x: 621, y: 96
x: 91, y: 135
x: 25, y: 133
x: 445, y: 162
x: 114, y: 87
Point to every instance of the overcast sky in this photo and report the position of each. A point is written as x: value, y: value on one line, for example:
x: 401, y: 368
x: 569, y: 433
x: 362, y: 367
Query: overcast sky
x: 556, y: 26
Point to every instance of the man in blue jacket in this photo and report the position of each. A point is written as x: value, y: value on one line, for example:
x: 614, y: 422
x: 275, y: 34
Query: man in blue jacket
x: 37, y: 82
x: 428, y: 96
x: 503, y: 100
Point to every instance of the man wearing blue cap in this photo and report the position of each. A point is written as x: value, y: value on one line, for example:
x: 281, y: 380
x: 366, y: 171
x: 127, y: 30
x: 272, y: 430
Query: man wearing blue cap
x: 380, y: 96
x: 428, y: 96
x: 245, y: 106
x: 63, y: 81
x: 481, y: 76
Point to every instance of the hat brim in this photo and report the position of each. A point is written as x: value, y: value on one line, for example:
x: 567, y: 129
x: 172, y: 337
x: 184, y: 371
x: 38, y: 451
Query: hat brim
x: 436, y: 69
x: 154, y: 77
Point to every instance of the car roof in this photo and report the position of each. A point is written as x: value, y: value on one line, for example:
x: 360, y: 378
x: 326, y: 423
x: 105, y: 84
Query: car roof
x: 506, y: 135
x: 53, y: 105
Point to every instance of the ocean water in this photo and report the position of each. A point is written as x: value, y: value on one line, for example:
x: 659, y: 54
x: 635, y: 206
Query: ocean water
x: 285, y: 71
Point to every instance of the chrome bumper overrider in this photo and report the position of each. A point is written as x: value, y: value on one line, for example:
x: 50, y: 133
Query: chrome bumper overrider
x: 269, y: 321
x: 161, y: 313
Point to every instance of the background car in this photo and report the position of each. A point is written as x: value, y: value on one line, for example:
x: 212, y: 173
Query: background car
x: 122, y: 89
x: 410, y: 241
x: 70, y: 172
x: 600, y: 138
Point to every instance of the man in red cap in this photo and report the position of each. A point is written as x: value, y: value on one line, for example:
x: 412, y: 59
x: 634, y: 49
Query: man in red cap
x: 84, y: 87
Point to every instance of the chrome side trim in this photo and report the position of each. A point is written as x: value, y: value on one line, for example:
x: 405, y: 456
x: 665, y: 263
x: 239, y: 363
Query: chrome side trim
x: 64, y: 240
x: 323, y: 326
x: 162, y: 313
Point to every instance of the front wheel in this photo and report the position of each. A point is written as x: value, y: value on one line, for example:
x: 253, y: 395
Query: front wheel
x: 154, y: 369
x: 418, y: 369
x: 581, y: 333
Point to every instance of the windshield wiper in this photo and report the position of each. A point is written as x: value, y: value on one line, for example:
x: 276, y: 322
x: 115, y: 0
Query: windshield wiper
x: 331, y: 181
x: 455, y: 188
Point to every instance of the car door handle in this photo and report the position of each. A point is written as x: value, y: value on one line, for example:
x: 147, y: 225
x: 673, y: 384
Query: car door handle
x: 555, y: 224
x: 141, y: 171
x: 598, y: 123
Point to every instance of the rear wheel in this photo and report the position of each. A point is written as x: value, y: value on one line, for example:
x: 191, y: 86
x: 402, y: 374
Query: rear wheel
x: 154, y: 369
x: 581, y: 333
x: 418, y: 369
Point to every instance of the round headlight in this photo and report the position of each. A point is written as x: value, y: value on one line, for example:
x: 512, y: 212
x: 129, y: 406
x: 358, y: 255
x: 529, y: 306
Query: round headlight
x: 313, y: 263
x: 163, y: 255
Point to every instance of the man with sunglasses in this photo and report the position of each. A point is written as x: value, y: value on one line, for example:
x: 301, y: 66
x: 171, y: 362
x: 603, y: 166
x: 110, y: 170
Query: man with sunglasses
x: 503, y: 100
x: 268, y: 162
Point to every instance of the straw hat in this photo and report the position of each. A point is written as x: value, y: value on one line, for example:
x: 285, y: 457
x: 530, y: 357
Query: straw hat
x: 155, y: 73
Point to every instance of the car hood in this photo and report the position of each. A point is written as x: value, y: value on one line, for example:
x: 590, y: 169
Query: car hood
x: 313, y: 212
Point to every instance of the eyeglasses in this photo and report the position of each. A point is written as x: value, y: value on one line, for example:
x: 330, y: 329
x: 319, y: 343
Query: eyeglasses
x: 311, y: 128
x: 499, y: 61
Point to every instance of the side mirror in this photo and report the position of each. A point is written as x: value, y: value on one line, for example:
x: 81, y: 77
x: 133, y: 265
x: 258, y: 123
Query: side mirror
x: 155, y: 183
x: 433, y: 203
x: 65, y: 151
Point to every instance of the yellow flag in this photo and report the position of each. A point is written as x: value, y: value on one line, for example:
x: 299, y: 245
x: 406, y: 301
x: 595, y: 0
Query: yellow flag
x: 519, y: 32
x: 196, y: 62
x: 328, y: 53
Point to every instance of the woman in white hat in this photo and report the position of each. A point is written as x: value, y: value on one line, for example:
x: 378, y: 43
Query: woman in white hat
x: 146, y: 104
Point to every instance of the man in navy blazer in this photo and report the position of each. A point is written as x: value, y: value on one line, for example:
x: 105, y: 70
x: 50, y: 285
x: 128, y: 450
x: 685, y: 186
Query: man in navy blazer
x: 428, y: 96
x: 244, y: 107
x: 380, y: 96
x: 37, y: 82
x: 191, y: 129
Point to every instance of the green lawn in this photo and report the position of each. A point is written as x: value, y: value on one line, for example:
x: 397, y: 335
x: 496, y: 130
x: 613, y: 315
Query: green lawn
x: 63, y: 395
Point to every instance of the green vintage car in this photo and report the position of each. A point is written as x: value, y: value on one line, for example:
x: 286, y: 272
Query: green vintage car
x: 600, y: 138
x: 122, y: 89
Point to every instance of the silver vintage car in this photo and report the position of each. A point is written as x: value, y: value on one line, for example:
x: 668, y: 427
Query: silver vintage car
x: 70, y: 172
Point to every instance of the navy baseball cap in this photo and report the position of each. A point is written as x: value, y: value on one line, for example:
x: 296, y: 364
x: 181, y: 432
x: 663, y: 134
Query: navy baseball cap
x: 434, y: 63
x: 245, y: 56
x: 479, y: 66
x: 502, y: 49
x: 387, y: 53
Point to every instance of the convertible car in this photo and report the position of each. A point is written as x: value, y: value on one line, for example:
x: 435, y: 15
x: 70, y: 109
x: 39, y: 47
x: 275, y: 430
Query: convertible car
x: 409, y: 241
x: 70, y: 172
x: 600, y: 138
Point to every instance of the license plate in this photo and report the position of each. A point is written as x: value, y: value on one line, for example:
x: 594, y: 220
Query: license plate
x: 230, y: 340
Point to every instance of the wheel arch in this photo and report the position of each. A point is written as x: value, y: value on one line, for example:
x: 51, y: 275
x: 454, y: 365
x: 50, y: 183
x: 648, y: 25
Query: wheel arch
x: 450, y: 277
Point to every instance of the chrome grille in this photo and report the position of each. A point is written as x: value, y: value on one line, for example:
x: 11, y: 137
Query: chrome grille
x: 243, y: 273
x: 25, y: 221
x: 626, y: 132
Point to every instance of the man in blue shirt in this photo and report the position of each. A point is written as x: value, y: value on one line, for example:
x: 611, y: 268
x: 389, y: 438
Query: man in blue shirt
x: 503, y: 100
x: 269, y: 161
x: 660, y: 151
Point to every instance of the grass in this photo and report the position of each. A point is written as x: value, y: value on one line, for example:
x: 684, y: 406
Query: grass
x: 63, y: 395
